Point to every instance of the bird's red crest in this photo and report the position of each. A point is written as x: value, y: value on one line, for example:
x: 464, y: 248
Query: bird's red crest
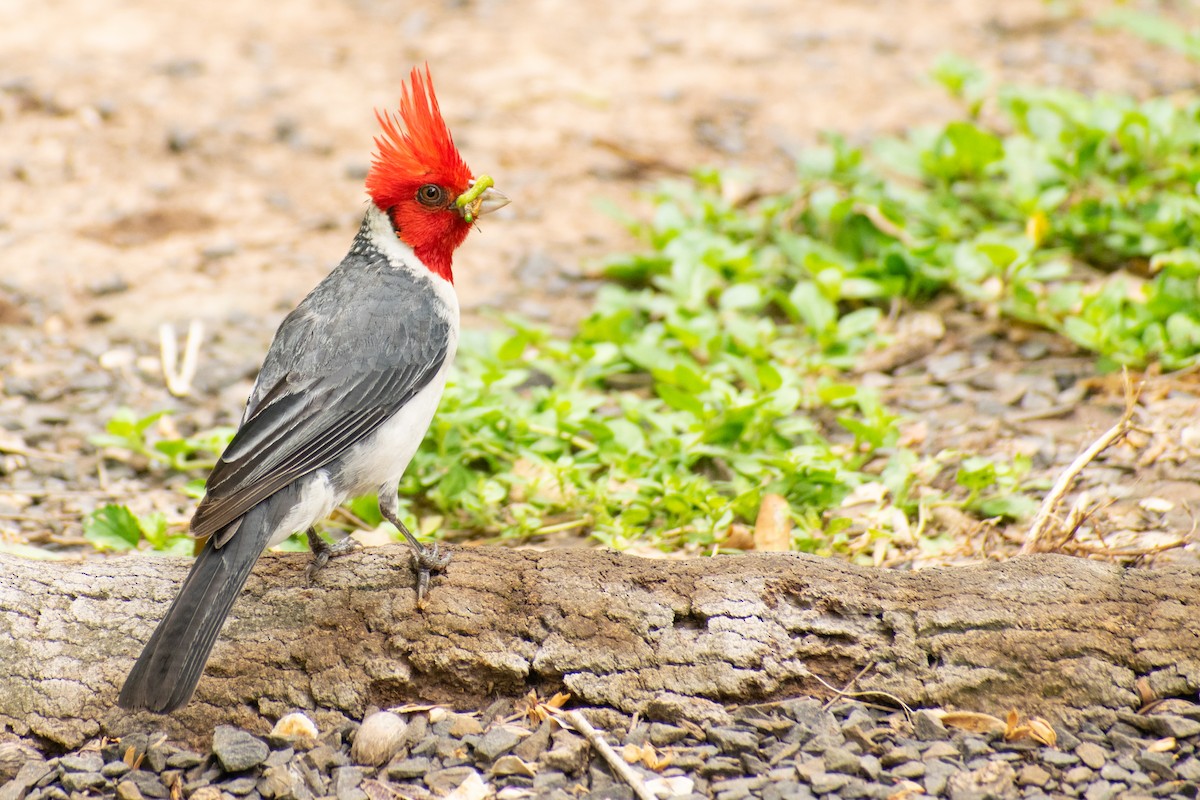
x: 417, y: 146
x: 414, y: 151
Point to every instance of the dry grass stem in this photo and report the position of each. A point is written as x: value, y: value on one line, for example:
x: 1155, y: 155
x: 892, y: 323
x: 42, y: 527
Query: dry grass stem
x: 1041, y: 536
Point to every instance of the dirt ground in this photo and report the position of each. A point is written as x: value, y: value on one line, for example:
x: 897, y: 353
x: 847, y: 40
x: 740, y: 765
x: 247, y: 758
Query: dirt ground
x: 163, y: 163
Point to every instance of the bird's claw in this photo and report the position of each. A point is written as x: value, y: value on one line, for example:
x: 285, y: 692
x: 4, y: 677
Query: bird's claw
x: 428, y: 560
x: 322, y: 551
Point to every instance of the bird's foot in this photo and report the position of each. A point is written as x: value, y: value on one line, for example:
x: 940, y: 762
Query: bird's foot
x: 322, y: 551
x: 426, y: 561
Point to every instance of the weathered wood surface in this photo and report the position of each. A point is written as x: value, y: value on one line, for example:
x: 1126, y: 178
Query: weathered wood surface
x: 670, y: 639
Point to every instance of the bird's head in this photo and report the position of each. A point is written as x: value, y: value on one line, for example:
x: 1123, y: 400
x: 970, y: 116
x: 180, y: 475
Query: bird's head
x: 420, y: 181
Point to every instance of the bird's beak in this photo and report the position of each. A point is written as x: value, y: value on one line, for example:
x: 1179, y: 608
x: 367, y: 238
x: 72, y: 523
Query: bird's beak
x: 480, y: 199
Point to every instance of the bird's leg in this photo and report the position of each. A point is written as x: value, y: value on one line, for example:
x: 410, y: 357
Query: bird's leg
x: 322, y: 551
x: 426, y: 559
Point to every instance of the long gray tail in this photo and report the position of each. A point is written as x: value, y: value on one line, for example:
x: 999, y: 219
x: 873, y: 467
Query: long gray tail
x: 167, y: 671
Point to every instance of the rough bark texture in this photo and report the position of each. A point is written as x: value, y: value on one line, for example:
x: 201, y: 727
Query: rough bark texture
x: 670, y: 639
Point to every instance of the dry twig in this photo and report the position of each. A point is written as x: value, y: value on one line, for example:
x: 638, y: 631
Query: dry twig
x: 178, y: 376
x: 577, y: 721
x: 845, y: 690
x: 1039, y: 538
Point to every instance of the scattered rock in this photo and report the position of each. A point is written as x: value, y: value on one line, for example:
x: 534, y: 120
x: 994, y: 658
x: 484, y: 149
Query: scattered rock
x: 994, y: 781
x: 1164, y: 725
x: 732, y: 740
x: 497, y: 741
x: 937, y: 775
x: 569, y: 754
x: 15, y: 757
x: 512, y: 765
x: 928, y: 727
x: 294, y: 730
x: 1158, y: 764
x: 82, y: 781
x: 1091, y: 754
x: 83, y: 762
x: 1033, y: 775
x: 839, y: 759
x: 828, y: 782
x: 464, y: 725
x: 793, y: 749
x: 128, y: 790
x: 237, y: 750
x: 379, y: 738
x: 148, y: 783
x: 531, y: 747
x: 443, y: 781
x: 346, y: 782
x: 409, y: 768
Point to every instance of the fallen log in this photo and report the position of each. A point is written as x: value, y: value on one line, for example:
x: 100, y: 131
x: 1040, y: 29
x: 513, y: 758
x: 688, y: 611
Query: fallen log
x: 670, y: 639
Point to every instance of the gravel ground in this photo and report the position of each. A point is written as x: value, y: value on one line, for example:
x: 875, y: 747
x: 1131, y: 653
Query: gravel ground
x: 789, y: 749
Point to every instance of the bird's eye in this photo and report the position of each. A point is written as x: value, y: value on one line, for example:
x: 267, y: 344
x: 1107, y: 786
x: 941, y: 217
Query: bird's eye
x: 431, y: 195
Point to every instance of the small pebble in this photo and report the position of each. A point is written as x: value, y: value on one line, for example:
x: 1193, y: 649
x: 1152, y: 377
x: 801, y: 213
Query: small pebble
x: 1101, y: 790
x: 1032, y: 775
x: 82, y: 781
x: 294, y: 727
x: 839, y: 759
x: 497, y: 741
x: 937, y: 774
x: 346, y: 782
x: 731, y: 740
x: 184, y: 759
x: 928, y: 727
x: 128, y: 790
x: 569, y: 753
x: 147, y: 783
x: 899, y: 755
x: 408, y: 768
x: 380, y: 737
x: 1158, y: 764
x: 82, y: 762
x: 239, y: 786
x: 662, y: 735
x: 1164, y: 725
x: 237, y: 750
x: 940, y: 750
x: 1058, y: 758
x: 276, y: 781
x: 909, y: 770
x: 513, y: 765
x: 1091, y: 754
x: 444, y: 781
x: 531, y: 747
x: 463, y: 725
x: 829, y: 782
x: 1078, y: 774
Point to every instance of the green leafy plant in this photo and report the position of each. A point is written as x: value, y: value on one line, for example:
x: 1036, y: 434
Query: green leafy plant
x: 127, y: 431
x: 1154, y: 28
x: 115, y: 527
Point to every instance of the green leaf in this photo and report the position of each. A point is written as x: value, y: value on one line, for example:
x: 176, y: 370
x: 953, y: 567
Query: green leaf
x: 112, y: 527
x: 963, y: 151
x: 976, y: 474
x: 679, y: 399
x: 816, y: 311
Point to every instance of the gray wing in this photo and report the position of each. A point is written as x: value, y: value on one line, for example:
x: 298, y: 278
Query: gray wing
x: 359, y: 347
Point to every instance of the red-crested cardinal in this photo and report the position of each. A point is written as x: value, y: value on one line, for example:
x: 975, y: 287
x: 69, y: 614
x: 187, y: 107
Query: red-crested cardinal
x: 345, y: 395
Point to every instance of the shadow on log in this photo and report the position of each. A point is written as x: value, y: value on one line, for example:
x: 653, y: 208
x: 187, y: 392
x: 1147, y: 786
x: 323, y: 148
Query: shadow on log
x: 1054, y: 635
